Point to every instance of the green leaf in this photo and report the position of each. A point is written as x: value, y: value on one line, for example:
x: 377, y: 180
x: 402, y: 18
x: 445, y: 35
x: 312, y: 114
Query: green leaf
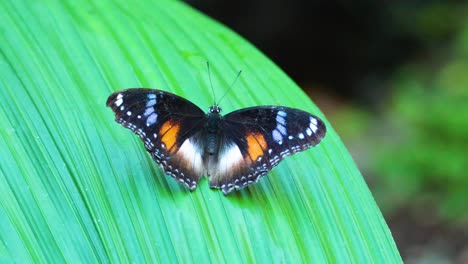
x: 77, y: 187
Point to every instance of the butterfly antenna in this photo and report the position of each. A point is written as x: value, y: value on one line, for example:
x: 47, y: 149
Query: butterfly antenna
x: 230, y: 87
x: 211, y: 83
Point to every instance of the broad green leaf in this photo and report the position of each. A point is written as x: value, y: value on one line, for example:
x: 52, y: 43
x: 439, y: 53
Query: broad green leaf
x: 77, y: 187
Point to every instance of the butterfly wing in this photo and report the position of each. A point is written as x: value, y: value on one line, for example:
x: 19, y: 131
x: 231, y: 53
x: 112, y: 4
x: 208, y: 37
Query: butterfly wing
x: 169, y: 126
x: 256, y: 139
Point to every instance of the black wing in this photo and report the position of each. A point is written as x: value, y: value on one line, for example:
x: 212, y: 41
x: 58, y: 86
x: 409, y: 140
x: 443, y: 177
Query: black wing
x: 263, y: 136
x: 167, y: 124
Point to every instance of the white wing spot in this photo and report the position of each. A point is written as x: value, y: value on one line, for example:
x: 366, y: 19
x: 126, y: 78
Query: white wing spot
x: 155, y: 135
x: 313, y: 127
x: 148, y: 111
x: 151, y: 96
x: 290, y: 137
x: 300, y: 136
x: 151, y: 103
x: 151, y: 119
x: 282, y: 113
x: 129, y: 113
x: 277, y: 136
x: 139, y: 116
x: 313, y: 124
x: 313, y: 120
x: 281, y: 129
x: 280, y: 120
x: 309, y: 131
x: 118, y: 102
x: 122, y: 108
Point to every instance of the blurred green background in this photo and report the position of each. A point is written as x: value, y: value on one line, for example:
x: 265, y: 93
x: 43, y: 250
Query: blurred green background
x: 392, y: 77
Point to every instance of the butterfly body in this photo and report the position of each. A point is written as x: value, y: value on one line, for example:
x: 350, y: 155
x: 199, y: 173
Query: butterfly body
x: 234, y: 150
x: 213, y: 130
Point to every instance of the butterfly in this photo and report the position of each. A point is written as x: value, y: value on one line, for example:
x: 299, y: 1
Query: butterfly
x: 233, y: 150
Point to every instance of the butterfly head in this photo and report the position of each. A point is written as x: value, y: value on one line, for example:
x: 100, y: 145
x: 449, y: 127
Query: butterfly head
x: 215, y: 109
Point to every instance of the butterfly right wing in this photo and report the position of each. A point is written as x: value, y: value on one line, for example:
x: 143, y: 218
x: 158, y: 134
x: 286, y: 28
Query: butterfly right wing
x: 170, y: 127
x: 257, y: 138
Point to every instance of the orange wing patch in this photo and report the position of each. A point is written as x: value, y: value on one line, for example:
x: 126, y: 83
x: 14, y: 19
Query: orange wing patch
x: 255, y: 145
x: 168, y: 133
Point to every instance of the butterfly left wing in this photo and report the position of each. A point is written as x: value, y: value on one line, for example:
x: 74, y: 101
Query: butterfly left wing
x: 256, y: 139
x: 169, y: 126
